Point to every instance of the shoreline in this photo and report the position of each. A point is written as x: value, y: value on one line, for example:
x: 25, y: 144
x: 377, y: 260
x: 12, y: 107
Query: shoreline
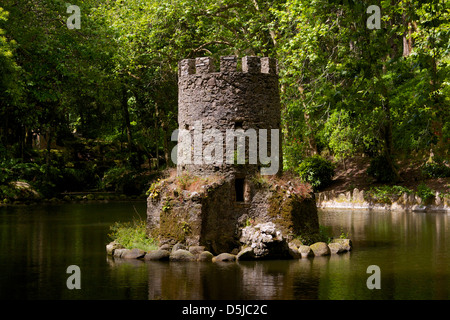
x: 359, y: 199
x: 85, y: 198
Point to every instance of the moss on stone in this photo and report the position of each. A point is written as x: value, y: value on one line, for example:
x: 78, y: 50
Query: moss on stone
x: 213, y: 217
x: 295, y: 216
x: 171, y: 227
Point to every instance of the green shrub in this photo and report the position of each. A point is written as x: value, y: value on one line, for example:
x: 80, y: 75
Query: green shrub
x: 42, y: 177
x: 385, y: 194
x: 425, y: 193
x: 379, y: 169
x: 8, y: 192
x: 132, y: 235
x: 317, y: 171
x: 324, y: 235
x: 125, y: 180
x: 438, y: 168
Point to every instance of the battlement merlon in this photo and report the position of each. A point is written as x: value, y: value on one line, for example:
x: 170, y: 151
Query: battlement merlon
x: 250, y: 65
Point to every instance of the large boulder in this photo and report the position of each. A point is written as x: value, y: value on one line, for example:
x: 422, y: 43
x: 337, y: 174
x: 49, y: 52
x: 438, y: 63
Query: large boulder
x: 266, y: 241
x: 178, y: 246
x: 182, y: 255
x: 293, y: 251
x: 320, y: 249
x: 196, y: 250
x: 246, y: 254
x: 24, y: 191
x: 305, y: 251
x: 119, y: 252
x: 110, y: 247
x: 157, y: 255
x: 205, y: 256
x: 165, y: 246
x: 133, y: 254
x: 224, y: 257
x: 336, y: 248
x: 345, y: 243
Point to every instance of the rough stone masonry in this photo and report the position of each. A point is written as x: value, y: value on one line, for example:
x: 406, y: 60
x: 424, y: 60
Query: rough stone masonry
x: 227, y: 100
x: 209, y: 204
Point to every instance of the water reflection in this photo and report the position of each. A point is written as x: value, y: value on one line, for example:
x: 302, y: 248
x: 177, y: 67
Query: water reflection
x: 267, y: 280
x: 37, y: 243
x: 410, y: 249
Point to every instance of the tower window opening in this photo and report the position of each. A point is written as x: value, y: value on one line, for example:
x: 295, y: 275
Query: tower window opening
x: 239, y: 187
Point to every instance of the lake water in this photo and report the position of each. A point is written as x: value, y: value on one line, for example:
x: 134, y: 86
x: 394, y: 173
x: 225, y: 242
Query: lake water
x: 38, y: 243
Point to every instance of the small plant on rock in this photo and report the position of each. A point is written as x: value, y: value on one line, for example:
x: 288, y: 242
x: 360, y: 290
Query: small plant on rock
x: 132, y: 235
x: 425, y: 193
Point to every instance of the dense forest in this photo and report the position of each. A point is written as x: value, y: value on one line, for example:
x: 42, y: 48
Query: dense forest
x: 93, y: 108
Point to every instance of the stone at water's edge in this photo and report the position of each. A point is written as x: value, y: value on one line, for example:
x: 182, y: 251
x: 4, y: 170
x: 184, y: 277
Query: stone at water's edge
x: 178, y: 246
x: 320, y: 249
x: 293, y: 251
x: 345, y: 243
x: 165, y: 247
x: 266, y: 241
x: 182, y: 255
x: 214, y: 219
x: 110, y: 247
x: 305, y: 251
x: 196, y: 250
x: 119, y: 252
x: 224, y: 257
x: 246, y: 254
x: 205, y: 256
x: 360, y: 199
x: 336, y: 248
x: 157, y: 255
x: 133, y: 254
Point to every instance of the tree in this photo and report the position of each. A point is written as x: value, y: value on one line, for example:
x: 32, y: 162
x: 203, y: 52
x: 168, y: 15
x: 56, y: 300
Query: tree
x: 10, y: 90
x: 337, y: 71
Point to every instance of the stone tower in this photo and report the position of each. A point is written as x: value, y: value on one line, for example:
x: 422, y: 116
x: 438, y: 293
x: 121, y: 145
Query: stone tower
x: 230, y: 105
x: 228, y: 158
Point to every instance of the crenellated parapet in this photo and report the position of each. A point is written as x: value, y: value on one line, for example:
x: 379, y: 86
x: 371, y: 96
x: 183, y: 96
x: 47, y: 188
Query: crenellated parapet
x: 250, y: 65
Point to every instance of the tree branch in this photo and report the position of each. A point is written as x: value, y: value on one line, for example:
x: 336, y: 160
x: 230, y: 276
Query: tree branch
x: 202, y: 47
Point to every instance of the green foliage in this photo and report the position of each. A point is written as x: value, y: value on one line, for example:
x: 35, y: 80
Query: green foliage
x: 343, y: 234
x: 44, y: 177
x: 126, y: 180
x: 260, y: 181
x: 155, y: 189
x: 386, y: 193
x: 317, y: 171
x: 438, y: 168
x: 8, y: 193
x: 167, y: 206
x: 48, y: 179
x: 345, y: 89
x: 132, y: 235
x: 293, y: 151
x: 324, y: 235
x: 425, y: 193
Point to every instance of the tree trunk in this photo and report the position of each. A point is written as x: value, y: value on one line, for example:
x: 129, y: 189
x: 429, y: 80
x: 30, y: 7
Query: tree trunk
x: 157, y: 135
x: 126, y: 118
x: 311, y: 140
x: 388, y: 147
